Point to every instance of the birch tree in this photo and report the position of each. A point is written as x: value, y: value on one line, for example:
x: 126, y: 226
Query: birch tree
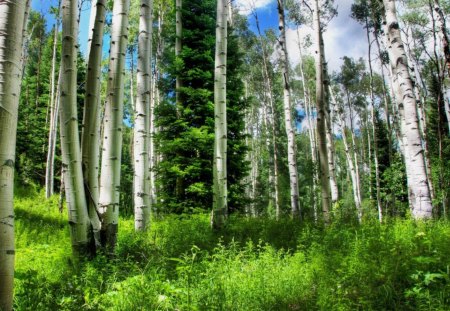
x: 49, y: 173
x: 70, y: 143
x: 414, y: 154
x: 113, y: 123
x: 220, y: 194
x: 12, y: 23
x: 321, y: 107
x: 269, y: 117
x: 142, y: 204
x: 287, y: 107
x: 91, y: 119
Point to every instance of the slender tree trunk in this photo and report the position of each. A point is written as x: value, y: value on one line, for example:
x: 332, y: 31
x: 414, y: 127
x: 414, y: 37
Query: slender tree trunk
x: 91, y: 120
x: 321, y: 107
x: 331, y: 161
x: 444, y: 34
x: 54, y: 116
x: 311, y: 127
x: 350, y: 160
x: 179, y: 187
x: 113, y: 123
x: 287, y: 103
x: 447, y: 111
x: 50, y: 168
x: 70, y: 143
x: 142, y: 204
x: 374, y: 133
x: 178, y: 44
x: 270, y: 117
x: 220, y: 199
x: 12, y: 23
x: 415, y: 162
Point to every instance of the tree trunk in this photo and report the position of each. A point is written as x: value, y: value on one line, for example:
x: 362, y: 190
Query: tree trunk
x: 178, y: 45
x: 142, y: 204
x: 91, y: 120
x: 415, y: 162
x: 287, y: 104
x: 220, y: 199
x: 270, y: 118
x: 50, y: 168
x: 374, y: 134
x: 348, y: 156
x: 321, y: 107
x: 70, y: 143
x: 444, y: 34
x: 113, y: 123
x: 12, y: 15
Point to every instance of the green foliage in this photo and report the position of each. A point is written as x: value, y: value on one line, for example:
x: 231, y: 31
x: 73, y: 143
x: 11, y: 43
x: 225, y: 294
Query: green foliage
x: 33, y: 118
x: 254, y: 264
x: 186, y: 135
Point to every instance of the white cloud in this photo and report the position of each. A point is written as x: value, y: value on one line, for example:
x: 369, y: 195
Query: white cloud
x: 245, y: 6
x: 343, y: 37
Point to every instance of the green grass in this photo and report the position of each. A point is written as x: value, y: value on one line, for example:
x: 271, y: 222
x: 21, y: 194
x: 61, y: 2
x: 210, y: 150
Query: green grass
x: 254, y: 264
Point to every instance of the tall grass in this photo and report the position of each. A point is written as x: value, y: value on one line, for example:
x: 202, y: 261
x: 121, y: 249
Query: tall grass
x: 254, y: 264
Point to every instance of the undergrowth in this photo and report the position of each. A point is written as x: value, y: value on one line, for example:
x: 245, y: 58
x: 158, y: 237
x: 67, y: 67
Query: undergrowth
x: 253, y: 264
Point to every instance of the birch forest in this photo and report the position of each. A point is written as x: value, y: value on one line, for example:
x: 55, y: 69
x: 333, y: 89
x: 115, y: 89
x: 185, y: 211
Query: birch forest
x: 224, y: 155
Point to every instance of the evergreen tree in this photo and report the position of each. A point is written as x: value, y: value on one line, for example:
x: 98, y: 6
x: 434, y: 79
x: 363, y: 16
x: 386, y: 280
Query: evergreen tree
x: 187, y: 131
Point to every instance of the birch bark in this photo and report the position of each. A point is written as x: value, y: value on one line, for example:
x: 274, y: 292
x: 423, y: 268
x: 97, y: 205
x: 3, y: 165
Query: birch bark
x: 142, y: 204
x: 12, y: 23
x: 321, y: 107
x: 287, y: 107
x: 421, y: 205
x: 50, y: 169
x: 70, y: 142
x: 91, y: 119
x: 113, y: 122
x: 220, y: 199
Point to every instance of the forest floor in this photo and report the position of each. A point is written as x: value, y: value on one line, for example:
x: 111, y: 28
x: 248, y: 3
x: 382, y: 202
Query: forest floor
x: 253, y: 264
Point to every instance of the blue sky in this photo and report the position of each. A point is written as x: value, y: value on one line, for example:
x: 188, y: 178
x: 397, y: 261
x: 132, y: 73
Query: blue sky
x: 43, y: 6
x: 344, y: 36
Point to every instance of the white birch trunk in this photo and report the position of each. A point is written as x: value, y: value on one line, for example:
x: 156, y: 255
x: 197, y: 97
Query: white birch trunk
x: 178, y: 44
x: 321, y: 107
x: 348, y: 156
x: 415, y: 162
x: 142, y: 204
x: 447, y: 109
x: 12, y: 22
x: 70, y: 142
x: 287, y: 107
x: 270, y: 118
x: 113, y: 123
x: 91, y: 119
x: 331, y: 162
x: 220, y: 196
x: 50, y: 168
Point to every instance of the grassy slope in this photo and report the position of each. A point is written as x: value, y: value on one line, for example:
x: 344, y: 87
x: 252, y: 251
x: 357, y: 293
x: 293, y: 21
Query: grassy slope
x: 254, y: 264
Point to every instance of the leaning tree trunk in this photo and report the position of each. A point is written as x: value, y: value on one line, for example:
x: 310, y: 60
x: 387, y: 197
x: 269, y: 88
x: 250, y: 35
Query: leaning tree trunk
x: 142, y: 204
x: 70, y: 142
x: 91, y: 120
x: 220, y: 196
x: 415, y: 162
x: 12, y: 15
x: 287, y: 104
x: 321, y: 107
x: 113, y: 123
